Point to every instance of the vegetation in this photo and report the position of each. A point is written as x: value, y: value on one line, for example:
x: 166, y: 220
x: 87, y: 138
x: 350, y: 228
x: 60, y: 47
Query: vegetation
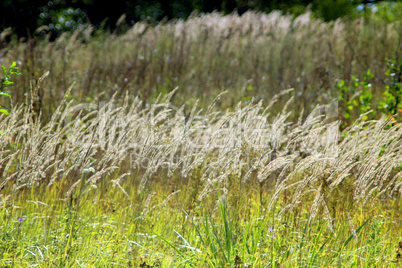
x: 59, y: 16
x: 251, y: 56
x: 124, y: 150
x: 6, y: 81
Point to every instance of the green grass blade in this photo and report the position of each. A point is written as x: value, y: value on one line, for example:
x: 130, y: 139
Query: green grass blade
x: 348, y: 240
x: 171, y: 245
x: 195, y: 226
x: 313, y: 254
x: 357, y: 231
x: 302, y: 241
x: 215, y: 235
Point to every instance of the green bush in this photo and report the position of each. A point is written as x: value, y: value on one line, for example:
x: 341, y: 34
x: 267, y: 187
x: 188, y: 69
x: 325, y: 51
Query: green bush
x: 392, y: 103
x: 332, y: 10
x: 356, y: 98
x: 6, y: 81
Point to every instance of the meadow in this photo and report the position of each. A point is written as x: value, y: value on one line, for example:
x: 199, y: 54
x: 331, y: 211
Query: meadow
x: 217, y: 141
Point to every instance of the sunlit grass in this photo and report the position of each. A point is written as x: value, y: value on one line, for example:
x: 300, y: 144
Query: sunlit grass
x: 108, y: 229
x: 92, y: 176
x: 295, y: 195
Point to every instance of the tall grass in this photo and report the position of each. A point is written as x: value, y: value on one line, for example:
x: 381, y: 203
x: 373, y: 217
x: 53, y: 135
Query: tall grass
x: 84, y: 145
x: 118, y: 180
x: 255, y: 55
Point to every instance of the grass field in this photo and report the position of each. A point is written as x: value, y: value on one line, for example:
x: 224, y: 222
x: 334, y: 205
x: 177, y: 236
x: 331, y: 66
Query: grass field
x: 129, y: 152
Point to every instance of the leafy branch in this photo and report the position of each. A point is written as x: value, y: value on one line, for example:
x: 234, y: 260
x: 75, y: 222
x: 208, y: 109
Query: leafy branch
x: 6, y: 81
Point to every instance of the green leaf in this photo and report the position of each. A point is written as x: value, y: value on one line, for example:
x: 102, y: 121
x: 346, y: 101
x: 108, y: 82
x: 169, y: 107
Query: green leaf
x: 4, y: 111
x: 14, y: 71
x: 249, y: 88
x: 388, y: 72
x: 5, y: 94
x: 7, y: 82
x: 369, y: 73
x: 13, y: 65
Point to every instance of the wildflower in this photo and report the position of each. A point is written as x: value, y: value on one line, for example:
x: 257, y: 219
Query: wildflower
x: 20, y: 220
x: 272, y: 231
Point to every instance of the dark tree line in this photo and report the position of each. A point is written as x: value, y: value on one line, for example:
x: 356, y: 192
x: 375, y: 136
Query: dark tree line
x: 25, y: 16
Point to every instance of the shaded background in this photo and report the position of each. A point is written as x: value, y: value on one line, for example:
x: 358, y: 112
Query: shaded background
x: 25, y: 16
x: 105, y: 51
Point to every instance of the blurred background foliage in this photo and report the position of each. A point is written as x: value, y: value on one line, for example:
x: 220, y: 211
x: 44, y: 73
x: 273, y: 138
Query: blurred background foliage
x: 29, y: 18
x: 323, y: 49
